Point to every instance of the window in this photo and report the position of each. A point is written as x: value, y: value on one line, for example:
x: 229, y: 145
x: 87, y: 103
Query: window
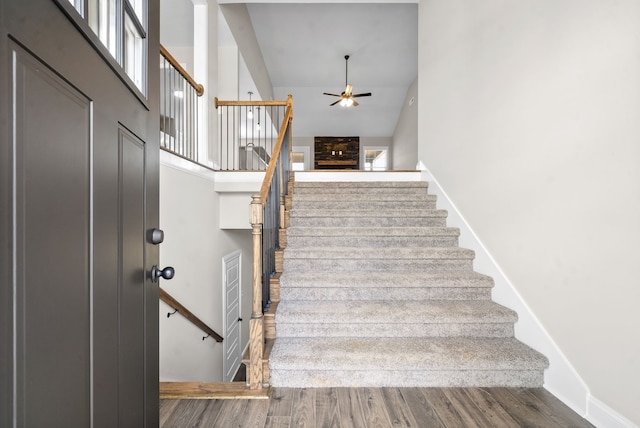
x: 300, y: 158
x: 120, y: 26
x: 375, y: 158
x: 103, y: 21
x: 297, y: 161
x: 133, y: 50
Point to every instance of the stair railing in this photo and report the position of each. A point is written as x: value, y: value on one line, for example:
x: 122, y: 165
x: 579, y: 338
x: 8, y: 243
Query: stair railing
x: 247, y: 133
x: 179, y: 94
x: 267, y: 217
x: 182, y: 310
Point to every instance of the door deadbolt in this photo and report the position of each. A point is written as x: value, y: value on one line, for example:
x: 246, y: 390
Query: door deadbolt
x: 156, y: 236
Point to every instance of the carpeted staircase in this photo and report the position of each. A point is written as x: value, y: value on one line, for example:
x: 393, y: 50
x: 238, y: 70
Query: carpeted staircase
x: 376, y: 292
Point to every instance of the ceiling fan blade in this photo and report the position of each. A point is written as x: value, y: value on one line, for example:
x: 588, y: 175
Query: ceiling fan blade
x: 332, y: 104
x: 333, y: 95
x: 367, y: 94
x: 347, y: 92
x: 355, y: 103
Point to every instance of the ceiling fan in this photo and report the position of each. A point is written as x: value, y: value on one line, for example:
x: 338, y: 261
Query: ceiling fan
x: 347, y: 98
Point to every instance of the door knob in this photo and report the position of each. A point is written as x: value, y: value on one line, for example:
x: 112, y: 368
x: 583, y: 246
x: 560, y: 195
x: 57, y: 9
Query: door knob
x: 166, y: 273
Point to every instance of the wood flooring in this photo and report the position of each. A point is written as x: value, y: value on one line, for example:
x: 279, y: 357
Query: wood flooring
x: 378, y: 407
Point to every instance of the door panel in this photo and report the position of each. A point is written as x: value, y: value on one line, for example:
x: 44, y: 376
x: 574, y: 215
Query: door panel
x: 53, y: 293
x: 131, y: 279
x: 78, y: 193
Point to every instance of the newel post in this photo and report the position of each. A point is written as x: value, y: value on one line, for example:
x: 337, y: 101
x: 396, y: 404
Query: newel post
x: 256, y: 327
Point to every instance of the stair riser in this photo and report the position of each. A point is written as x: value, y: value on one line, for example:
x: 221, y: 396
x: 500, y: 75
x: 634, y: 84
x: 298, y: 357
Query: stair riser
x: 406, y: 378
x: 386, y: 293
x: 361, y: 191
x: 377, y: 265
x: 322, y: 193
x: 363, y: 197
x: 322, y: 329
x: 368, y: 204
x: 369, y: 221
x: 373, y: 241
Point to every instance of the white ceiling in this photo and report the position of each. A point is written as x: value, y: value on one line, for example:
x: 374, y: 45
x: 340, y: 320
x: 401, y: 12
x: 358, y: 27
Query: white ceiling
x: 303, y: 46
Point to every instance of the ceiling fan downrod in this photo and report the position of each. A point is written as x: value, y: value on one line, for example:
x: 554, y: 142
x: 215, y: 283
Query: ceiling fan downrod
x: 346, y: 70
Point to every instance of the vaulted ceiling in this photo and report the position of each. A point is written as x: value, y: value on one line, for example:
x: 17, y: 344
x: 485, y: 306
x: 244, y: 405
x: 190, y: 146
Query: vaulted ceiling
x: 303, y: 47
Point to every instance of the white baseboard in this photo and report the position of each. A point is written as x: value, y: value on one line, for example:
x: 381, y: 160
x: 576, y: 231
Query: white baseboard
x: 602, y: 415
x: 561, y: 379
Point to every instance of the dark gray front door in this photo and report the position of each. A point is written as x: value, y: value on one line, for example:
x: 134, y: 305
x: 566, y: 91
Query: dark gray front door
x: 78, y: 198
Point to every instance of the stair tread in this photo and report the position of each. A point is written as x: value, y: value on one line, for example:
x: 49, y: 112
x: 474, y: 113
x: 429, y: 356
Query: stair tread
x: 394, y: 312
x: 360, y: 184
x: 389, y: 231
x: 357, y: 253
x: 384, y: 279
x: 371, y: 213
x: 404, y: 197
x: 460, y: 353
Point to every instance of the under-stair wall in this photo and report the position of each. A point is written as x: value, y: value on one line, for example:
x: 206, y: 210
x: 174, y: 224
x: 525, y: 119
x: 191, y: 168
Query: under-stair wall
x: 194, y: 245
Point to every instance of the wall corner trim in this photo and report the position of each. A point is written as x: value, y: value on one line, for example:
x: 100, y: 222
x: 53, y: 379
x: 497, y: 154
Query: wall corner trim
x: 561, y: 378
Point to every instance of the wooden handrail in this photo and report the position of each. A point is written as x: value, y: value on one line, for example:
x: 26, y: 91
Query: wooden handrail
x: 171, y: 301
x: 266, y: 183
x: 252, y: 103
x: 174, y: 62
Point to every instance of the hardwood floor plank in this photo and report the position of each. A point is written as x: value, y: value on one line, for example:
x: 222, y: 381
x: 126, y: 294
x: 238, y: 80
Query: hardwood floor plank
x: 443, y: 407
x: 185, y: 412
x: 327, y: 408
x: 210, y: 414
x: 491, y: 408
x: 373, y: 407
x: 553, y: 408
x: 166, y: 409
x: 255, y: 414
x: 518, y: 410
x: 466, y: 408
x: 304, y: 408
x: 398, y: 410
x: 230, y: 414
x: 278, y: 422
x: 421, y: 409
x: 281, y: 402
x: 349, y: 408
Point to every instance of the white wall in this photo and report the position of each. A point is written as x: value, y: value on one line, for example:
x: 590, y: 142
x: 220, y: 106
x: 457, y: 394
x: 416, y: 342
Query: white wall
x: 405, y: 136
x: 529, y: 121
x: 239, y: 21
x: 194, y: 245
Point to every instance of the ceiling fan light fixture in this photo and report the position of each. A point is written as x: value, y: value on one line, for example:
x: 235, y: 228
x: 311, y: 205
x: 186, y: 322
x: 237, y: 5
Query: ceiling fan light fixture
x: 346, y: 98
x: 346, y: 102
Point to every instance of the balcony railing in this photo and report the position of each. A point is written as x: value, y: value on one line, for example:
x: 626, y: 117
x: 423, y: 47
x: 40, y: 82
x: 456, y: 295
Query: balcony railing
x: 247, y: 133
x: 179, y: 94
